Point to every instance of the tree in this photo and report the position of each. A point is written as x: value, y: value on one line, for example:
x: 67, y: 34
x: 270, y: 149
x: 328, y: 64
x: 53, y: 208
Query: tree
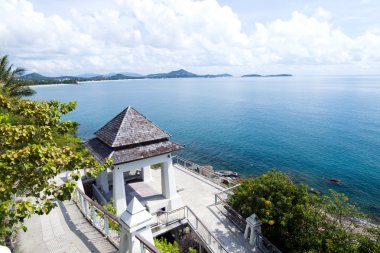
x: 298, y: 221
x: 10, y: 82
x: 166, y: 247
x: 36, y: 146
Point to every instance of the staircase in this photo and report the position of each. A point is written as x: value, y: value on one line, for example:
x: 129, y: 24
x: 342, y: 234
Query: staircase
x: 166, y: 221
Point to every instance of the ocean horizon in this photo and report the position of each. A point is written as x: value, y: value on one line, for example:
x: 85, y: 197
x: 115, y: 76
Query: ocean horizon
x: 311, y: 127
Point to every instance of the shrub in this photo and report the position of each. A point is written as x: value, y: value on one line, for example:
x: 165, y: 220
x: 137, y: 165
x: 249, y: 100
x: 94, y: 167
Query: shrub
x: 298, y: 221
x: 165, y: 246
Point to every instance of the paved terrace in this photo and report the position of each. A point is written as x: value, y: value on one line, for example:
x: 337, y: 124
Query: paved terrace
x: 197, y: 193
x: 63, y: 230
x: 66, y: 230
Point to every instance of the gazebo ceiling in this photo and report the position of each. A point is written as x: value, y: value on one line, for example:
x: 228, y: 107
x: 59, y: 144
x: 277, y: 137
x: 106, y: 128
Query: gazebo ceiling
x: 128, y: 137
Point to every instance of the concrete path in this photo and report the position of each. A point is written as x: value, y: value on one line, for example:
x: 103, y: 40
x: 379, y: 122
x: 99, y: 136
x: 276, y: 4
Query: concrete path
x: 63, y: 230
x: 199, y: 194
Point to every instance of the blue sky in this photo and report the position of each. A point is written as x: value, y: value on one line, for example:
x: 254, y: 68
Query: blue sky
x: 316, y: 37
x: 353, y: 16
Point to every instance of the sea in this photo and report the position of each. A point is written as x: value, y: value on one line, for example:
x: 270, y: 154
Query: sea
x: 311, y: 127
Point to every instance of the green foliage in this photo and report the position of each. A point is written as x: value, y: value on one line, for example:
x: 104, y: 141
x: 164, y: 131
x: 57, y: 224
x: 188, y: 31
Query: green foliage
x: 370, y: 244
x: 165, y: 246
x: 9, y: 80
x: 36, y: 146
x: 110, y: 208
x: 47, y: 82
x: 299, y: 221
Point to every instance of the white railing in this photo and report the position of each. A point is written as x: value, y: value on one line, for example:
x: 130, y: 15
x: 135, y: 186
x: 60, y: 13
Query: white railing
x: 203, y: 172
x: 264, y: 245
x: 227, y: 210
x: 105, y: 222
x: 162, y: 218
x: 185, y: 213
x: 221, y: 199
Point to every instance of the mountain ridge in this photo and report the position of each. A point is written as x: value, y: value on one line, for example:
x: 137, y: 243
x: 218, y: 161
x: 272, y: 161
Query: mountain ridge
x: 36, y: 78
x: 181, y: 73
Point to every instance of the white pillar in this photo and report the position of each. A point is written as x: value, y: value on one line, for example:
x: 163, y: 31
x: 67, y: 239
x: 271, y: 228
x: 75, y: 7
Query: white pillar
x: 119, y: 197
x: 168, y: 180
x: 252, y: 228
x: 102, y: 181
x: 146, y: 174
x: 252, y: 238
x: 169, y: 189
x: 135, y: 220
x: 125, y: 241
x: 246, y: 231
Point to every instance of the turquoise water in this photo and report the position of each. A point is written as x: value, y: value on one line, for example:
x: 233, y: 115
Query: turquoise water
x: 310, y: 127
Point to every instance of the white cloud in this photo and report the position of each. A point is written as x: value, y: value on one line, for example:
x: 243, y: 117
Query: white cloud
x: 322, y: 13
x: 310, y: 40
x: 149, y: 36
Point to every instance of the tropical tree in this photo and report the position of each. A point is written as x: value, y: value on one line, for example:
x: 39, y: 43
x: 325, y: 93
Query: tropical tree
x: 10, y: 83
x: 35, y: 147
x: 299, y: 221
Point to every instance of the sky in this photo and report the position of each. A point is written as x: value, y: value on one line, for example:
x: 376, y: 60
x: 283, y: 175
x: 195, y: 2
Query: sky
x: 314, y: 37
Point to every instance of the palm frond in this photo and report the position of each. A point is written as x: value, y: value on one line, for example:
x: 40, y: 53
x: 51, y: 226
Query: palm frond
x: 18, y: 72
x: 9, y: 80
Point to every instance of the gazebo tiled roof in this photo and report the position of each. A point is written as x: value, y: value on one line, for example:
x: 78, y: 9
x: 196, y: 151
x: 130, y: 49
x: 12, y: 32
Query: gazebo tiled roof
x: 128, y: 137
x: 129, y: 127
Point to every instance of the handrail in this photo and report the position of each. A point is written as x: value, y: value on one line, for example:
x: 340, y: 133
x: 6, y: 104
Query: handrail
x: 211, y: 174
x: 230, y: 213
x: 195, y: 225
x: 172, y: 211
x: 166, y: 214
x: 97, y: 205
x: 105, y: 222
x: 263, y: 244
x: 89, y: 209
x: 147, y: 245
x: 220, y: 246
x: 225, y: 191
x: 229, y: 189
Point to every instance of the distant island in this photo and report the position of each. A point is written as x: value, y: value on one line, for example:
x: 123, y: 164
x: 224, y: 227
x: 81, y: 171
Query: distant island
x: 38, y: 79
x: 35, y: 78
x: 184, y: 74
x: 277, y: 75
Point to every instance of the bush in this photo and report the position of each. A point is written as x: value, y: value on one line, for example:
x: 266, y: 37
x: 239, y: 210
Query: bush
x: 165, y: 246
x: 298, y: 221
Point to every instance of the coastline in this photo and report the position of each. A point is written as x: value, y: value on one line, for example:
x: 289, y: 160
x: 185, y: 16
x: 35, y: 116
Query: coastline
x: 52, y: 84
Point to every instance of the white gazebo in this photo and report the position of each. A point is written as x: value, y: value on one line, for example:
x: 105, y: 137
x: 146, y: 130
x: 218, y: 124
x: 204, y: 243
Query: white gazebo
x: 134, y: 143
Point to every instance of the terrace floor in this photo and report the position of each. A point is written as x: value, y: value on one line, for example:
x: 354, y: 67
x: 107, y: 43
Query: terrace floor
x: 63, y: 230
x: 199, y: 195
x: 66, y: 230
